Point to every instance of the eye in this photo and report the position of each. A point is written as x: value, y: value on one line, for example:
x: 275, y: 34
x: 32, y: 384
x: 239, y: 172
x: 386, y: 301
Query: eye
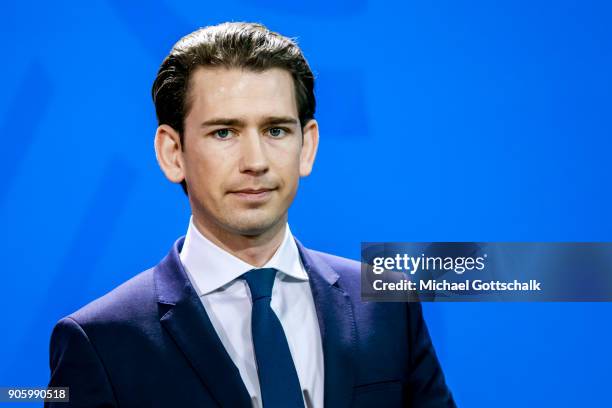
x: 277, y: 132
x: 223, y: 133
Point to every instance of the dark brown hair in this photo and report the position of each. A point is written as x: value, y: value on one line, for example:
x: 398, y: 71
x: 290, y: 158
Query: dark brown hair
x: 231, y: 45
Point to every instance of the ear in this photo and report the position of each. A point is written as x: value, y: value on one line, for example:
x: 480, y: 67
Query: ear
x: 169, y: 153
x: 310, y: 144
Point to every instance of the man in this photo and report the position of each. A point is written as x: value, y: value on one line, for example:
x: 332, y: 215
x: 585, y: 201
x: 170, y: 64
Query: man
x: 239, y: 313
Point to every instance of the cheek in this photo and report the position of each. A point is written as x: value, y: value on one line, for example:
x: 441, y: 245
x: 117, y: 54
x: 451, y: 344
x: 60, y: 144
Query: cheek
x: 206, y: 170
x: 287, y: 158
x: 290, y: 174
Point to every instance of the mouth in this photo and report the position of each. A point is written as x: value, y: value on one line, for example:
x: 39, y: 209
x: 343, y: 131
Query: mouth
x: 251, y: 194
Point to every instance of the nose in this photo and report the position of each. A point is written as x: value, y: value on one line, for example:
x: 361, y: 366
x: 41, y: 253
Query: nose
x: 253, y: 158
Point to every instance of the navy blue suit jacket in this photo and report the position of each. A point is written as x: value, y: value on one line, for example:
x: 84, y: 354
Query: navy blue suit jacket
x: 150, y: 343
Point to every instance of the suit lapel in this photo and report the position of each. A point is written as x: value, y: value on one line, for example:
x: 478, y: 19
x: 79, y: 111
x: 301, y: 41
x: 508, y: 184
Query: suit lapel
x: 185, y: 318
x: 337, y: 326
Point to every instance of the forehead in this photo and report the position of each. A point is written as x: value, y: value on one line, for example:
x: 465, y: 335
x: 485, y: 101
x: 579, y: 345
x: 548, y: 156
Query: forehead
x: 220, y: 91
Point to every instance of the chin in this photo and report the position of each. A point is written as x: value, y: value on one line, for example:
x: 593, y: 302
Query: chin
x: 254, y: 227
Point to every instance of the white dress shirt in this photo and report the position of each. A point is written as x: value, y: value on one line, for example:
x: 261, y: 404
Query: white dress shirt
x: 214, y: 274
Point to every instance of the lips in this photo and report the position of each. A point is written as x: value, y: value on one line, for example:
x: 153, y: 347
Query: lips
x: 253, y: 190
x: 253, y: 194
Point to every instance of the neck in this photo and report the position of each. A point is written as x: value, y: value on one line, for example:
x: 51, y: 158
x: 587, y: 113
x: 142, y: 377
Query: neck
x: 255, y: 250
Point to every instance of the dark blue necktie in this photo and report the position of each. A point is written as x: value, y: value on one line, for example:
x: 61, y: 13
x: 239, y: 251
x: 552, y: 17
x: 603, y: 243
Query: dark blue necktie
x: 278, y: 379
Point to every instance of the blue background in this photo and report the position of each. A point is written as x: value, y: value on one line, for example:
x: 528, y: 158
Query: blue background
x: 441, y: 121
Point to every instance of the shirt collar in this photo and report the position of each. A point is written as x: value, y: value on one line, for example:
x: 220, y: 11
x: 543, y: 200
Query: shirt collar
x: 211, y: 267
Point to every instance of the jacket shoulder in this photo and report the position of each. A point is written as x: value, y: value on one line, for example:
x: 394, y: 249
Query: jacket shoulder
x: 348, y: 270
x: 340, y: 264
x: 129, y: 302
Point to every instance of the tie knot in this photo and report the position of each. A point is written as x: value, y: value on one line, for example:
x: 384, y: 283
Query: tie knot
x: 260, y: 282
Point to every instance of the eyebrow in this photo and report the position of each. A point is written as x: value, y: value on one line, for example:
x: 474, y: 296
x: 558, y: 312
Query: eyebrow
x: 270, y: 120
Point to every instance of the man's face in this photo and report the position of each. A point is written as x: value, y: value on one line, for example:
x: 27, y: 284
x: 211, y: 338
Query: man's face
x: 243, y: 152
